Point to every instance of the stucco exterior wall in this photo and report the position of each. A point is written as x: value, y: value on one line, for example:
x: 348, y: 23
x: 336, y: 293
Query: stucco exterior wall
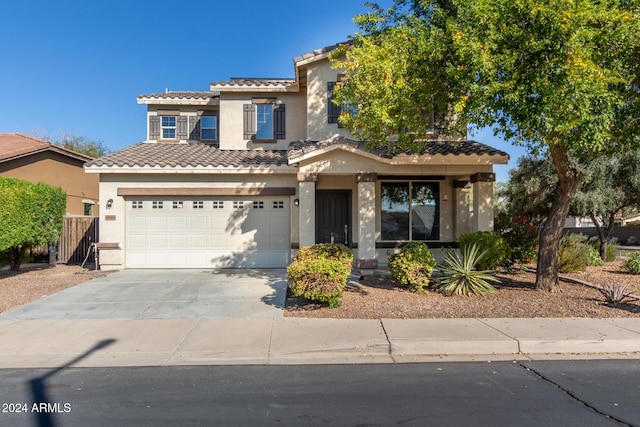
x: 318, y: 128
x: 57, y: 170
x: 232, y: 125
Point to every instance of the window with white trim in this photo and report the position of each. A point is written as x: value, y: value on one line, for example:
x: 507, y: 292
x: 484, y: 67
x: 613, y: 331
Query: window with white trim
x: 177, y: 204
x: 209, y: 128
x: 137, y: 204
x: 157, y: 204
x: 258, y: 205
x: 238, y: 204
x: 218, y: 204
x: 198, y: 204
x: 168, y: 127
x: 278, y: 204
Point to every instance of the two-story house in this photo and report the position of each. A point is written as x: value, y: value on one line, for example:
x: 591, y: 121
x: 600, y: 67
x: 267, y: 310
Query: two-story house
x: 246, y: 173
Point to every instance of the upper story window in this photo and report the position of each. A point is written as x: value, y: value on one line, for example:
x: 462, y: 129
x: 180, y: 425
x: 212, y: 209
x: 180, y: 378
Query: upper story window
x: 209, y: 128
x: 264, y: 120
x: 168, y: 127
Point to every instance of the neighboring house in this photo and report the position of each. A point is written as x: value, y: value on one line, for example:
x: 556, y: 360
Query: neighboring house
x: 578, y: 222
x: 35, y: 160
x: 247, y: 173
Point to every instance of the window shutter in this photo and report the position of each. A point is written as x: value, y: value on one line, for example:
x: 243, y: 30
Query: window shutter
x: 154, y: 127
x: 333, y: 110
x: 249, y: 119
x: 182, y: 126
x: 279, y: 124
x: 194, y: 128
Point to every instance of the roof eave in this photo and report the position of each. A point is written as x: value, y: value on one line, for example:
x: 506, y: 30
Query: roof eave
x: 191, y: 169
x: 407, y: 159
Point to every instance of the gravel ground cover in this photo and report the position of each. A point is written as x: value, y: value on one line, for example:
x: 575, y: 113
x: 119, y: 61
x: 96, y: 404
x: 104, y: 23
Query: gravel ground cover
x: 382, y: 297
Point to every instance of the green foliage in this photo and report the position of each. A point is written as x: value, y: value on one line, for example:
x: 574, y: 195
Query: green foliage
x: 573, y: 253
x: 492, y: 245
x: 593, y: 257
x: 459, y: 276
x: 521, y: 234
x: 83, y: 145
x: 557, y: 76
x: 413, y: 266
x: 30, y: 215
x: 610, y: 252
x: 632, y: 264
x: 320, y: 272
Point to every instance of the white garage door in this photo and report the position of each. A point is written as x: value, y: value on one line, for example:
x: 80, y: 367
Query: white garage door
x: 207, y: 232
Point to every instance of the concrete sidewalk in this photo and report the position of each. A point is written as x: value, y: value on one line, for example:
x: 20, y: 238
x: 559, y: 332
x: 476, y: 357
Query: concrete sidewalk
x: 232, y: 341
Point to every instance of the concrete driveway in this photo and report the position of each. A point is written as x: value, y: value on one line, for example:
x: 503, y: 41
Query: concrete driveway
x: 165, y: 294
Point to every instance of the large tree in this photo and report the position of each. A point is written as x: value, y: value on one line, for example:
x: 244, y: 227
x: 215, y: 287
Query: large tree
x: 555, y: 75
x: 610, y: 187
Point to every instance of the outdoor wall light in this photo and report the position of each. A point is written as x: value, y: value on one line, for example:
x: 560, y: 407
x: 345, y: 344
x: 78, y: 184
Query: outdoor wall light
x: 109, y: 203
x: 445, y: 198
x: 296, y: 202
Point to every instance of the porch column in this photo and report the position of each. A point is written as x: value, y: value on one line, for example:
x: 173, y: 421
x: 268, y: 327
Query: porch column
x: 462, y: 213
x: 483, y: 201
x: 366, y: 221
x: 307, y: 208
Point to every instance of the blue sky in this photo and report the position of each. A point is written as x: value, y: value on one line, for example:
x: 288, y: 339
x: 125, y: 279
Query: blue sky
x: 76, y: 67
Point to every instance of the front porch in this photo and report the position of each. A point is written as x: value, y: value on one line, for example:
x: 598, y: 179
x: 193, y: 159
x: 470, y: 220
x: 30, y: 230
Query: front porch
x: 376, y: 214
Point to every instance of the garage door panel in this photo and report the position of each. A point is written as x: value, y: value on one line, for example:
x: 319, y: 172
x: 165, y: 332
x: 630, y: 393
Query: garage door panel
x: 157, y: 223
x: 178, y: 223
x: 227, y: 232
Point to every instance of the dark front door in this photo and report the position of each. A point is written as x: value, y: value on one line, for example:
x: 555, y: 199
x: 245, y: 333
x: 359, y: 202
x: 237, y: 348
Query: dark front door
x: 333, y: 216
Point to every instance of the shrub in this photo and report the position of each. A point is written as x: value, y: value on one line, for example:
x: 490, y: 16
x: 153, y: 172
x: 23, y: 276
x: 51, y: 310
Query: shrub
x: 632, y: 264
x: 614, y: 293
x: 573, y: 253
x: 413, y: 266
x: 460, y: 276
x: 521, y: 234
x: 492, y: 245
x: 30, y: 215
x: 320, y: 272
x: 610, y: 251
x: 593, y: 256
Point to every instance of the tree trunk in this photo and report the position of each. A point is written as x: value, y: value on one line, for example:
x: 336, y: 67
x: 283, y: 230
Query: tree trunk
x: 568, y: 180
x: 603, y: 240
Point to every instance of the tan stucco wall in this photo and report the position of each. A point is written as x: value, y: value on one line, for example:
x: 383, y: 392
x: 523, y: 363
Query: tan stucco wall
x: 318, y: 128
x: 57, y: 170
x: 231, y: 120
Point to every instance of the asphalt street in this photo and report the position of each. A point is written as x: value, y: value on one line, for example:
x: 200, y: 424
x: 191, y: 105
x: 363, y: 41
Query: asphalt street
x: 569, y: 393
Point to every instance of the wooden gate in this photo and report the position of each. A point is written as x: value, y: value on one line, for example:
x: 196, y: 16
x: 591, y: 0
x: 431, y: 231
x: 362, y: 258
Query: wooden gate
x: 78, y: 233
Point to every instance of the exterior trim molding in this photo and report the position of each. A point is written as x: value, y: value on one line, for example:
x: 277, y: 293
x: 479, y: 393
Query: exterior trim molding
x: 483, y: 177
x: 367, y: 264
x: 366, y: 177
x: 266, y: 191
x: 307, y: 177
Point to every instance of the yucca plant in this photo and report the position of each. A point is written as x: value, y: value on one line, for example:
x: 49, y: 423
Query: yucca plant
x: 613, y: 292
x: 459, y: 276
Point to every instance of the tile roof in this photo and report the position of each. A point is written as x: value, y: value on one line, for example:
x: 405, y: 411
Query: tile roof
x: 180, y: 95
x: 146, y: 154
x: 16, y: 144
x: 317, y: 52
x: 444, y: 148
x: 254, y: 82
